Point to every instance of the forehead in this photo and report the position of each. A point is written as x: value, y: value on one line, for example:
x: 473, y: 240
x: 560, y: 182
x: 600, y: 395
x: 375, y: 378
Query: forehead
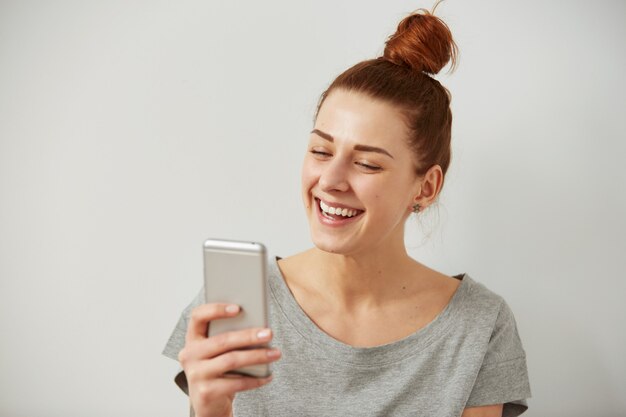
x: 359, y: 118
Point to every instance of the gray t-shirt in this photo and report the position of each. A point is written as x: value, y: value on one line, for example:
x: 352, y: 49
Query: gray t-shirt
x: 469, y: 355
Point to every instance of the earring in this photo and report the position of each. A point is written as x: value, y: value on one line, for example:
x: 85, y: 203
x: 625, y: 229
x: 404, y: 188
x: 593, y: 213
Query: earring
x: 416, y: 208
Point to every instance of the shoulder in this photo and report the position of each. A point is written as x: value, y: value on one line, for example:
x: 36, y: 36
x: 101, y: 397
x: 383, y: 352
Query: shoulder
x: 485, y: 317
x: 503, y: 374
x: 492, y: 312
x: 479, y: 298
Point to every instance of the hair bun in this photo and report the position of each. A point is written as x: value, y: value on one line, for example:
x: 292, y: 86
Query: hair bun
x: 422, y: 42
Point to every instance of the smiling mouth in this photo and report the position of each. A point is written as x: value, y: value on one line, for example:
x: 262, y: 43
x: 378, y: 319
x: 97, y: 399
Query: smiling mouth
x: 337, y: 213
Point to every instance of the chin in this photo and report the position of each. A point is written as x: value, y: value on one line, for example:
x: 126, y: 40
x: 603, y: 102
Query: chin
x: 332, y: 244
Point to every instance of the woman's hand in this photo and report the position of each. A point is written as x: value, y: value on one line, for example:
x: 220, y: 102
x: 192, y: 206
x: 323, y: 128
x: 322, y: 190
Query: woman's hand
x: 205, y: 360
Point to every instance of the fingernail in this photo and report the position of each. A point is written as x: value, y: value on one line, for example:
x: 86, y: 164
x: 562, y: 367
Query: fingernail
x: 233, y: 308
x: 263, y: 334
x: 273, y: 353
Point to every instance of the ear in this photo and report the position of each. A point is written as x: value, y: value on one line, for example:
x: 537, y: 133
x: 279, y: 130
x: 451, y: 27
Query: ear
x: 429, y: 187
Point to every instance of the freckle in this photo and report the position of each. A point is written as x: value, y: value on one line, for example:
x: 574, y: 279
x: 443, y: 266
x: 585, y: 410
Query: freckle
x: 404, y: 288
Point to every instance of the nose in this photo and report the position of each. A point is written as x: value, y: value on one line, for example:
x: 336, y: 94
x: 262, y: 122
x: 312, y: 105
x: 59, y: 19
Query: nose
x: 334, y: 176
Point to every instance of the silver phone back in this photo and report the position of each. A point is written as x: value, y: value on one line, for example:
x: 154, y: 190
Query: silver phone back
x: 235, y: 272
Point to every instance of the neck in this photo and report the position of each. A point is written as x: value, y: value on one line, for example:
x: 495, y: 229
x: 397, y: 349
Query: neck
x: 362, y: 280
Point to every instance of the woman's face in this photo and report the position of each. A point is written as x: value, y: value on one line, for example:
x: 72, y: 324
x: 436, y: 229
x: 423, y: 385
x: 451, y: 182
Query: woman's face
x: 358, y: 176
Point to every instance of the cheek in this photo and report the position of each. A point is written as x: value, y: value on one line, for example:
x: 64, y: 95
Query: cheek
x: 370, y: 188
x: 310, y: 173
x: 308, y: 178
x: 385, y: 197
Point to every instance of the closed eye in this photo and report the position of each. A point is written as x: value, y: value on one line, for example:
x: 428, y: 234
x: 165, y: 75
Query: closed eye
x: 314, y: 152
x: 369, y: 167
x: 364, y: 165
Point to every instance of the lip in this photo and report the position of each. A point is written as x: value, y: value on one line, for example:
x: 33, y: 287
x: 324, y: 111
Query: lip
x: 335, y: 222
x: 336, y: 205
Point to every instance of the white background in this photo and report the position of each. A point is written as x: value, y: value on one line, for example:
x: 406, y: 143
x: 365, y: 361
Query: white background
x: 130, y: 131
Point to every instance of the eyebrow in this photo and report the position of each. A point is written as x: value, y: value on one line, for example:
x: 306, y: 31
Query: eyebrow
x: 357, y: 147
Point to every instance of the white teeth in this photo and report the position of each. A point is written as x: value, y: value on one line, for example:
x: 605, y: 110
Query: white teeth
x: 337, y: 211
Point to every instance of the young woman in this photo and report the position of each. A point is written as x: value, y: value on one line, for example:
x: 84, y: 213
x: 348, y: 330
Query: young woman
x: 359, y: 328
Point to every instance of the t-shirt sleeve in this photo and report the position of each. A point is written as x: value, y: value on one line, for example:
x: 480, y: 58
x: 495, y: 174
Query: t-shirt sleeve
x: 176, y: 342
x: 503, y: 376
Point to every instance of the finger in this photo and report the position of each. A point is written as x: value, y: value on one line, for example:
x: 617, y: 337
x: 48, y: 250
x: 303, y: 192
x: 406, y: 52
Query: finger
x: 235, y: 359
x: 202, y: 315
x: 245, y: 383
x: 230, y: 385
x: 225, y: 342
x: 209, y: 369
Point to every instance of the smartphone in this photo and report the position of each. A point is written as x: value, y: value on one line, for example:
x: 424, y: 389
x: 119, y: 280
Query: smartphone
x: 235, y: 272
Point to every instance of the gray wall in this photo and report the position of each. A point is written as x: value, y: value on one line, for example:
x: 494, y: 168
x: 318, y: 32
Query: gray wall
x: 132, y: 130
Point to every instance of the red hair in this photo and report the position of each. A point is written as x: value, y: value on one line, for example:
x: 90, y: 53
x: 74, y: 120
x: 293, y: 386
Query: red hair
x: 422, y: 45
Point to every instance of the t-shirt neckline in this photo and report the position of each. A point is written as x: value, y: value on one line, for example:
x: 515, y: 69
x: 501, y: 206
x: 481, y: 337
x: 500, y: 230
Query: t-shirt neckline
x: 391, y: 352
